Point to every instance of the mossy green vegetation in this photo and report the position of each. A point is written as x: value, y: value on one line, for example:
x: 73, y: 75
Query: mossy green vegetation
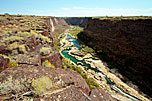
x: 40, y: 36
x: 5, y: 56
x: 90, y: 81
x: 46, y: 63
x: 24, y: 34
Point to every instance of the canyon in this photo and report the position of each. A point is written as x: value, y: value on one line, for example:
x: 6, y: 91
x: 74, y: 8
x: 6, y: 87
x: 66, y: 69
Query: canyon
x: 54, y: 58
x: 125, y: 41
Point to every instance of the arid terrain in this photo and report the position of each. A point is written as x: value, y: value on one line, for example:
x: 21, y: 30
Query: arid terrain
x: 75, y: 59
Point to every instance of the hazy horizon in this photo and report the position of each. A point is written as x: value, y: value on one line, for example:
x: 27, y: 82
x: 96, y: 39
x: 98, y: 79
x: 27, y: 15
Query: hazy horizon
x: 77, y: 8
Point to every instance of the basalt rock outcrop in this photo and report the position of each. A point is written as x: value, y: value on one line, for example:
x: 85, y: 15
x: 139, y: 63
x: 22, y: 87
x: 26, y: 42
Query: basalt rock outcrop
x: 54, y: 58
x: 3, y: 63
x: 27, y: 39
x: 125, y: 41
x: 41, y: 83
x: 31, y: 66
x: 78, y: 21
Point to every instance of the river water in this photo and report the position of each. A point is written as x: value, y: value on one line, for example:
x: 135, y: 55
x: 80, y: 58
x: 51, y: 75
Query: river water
x: 66, y: 54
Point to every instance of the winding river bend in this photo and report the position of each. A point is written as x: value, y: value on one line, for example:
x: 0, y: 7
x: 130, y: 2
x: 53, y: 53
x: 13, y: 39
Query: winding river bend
x: 82, y: 62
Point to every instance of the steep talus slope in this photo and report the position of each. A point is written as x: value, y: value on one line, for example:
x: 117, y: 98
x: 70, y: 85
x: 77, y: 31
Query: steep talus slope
x: 127, y: 41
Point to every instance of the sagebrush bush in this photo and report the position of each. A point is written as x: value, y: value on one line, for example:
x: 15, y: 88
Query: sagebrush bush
x: 12, y: 85
x: 40, y: 85
x: 46, y: 63
x: 16, y: 45
x: 45, y: 50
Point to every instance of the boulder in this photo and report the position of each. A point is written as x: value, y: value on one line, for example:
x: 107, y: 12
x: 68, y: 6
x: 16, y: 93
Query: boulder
x: 55, y: 58
x: 41, y: 82
x: 100, y: 95
x: 31, y: 58
x: 3, y: 63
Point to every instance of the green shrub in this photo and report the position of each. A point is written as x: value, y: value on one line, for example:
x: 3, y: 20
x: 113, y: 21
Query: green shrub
x: 12, y: 63
x: 56, y: 46
x: 90, y: 81
x: 88, y: 50
x: 75, y: 30
x: 15, y: 45
x: 24, y: 34
x: 45, y: 51
x: 6, y: 86
x: 46, y: 63
x: 44, y: 38
x: 41, y: 85
x: 11, y: 85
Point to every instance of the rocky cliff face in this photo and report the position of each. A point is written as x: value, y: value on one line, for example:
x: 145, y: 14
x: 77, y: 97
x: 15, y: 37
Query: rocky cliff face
x: 59, y: 25
x: 55, y: 27
x: 31, y: 67
x: 126, y: 41
x: 76, y: 21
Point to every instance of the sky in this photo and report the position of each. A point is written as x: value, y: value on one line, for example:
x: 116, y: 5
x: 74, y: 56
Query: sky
x: 77, y: 8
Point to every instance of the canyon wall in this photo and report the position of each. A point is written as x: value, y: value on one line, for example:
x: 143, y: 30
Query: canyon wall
x: 56, y: 27
x: 79, y: 21
x: 127, y: 41
x: 59, y: 24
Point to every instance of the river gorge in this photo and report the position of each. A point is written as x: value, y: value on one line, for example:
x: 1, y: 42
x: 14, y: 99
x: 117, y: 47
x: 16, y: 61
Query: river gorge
x: 71, y: 49
x: 45, y: 58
